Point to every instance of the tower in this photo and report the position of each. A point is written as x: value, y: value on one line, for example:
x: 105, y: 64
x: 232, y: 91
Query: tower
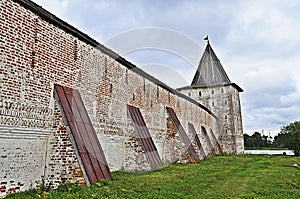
x: 212, y: 88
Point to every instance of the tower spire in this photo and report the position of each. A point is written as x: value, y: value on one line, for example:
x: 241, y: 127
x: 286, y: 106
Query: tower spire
x: 210, y: 71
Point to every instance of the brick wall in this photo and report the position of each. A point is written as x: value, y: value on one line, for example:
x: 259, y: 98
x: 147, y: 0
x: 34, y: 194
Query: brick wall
x: 35, y: 146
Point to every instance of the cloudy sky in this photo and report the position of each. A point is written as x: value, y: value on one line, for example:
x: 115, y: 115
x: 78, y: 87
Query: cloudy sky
x: 257, y: 42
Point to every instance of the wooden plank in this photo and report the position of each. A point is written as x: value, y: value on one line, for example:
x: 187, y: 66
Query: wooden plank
x: 212, y: 149
x: 92, y: 140
x: 197, y: 140
x: 218, y: 143
x: 144, y: 135
x: 83, y: 132
x: 68, y: 118
x: 183, y: 134
x: 89, y: 135
x: 89, y: 148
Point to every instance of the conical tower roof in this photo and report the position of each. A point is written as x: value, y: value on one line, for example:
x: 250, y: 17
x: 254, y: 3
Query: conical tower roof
x: 210, y: 71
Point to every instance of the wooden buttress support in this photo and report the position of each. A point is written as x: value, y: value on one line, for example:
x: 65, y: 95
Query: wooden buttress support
x: 80, y: 127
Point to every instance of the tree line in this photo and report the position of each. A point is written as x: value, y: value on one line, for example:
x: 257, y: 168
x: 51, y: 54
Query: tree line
x: 289, y: 137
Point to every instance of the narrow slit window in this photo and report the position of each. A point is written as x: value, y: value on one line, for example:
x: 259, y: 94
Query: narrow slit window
x: 105, y: 65
x: 111, y: 88
x: 75, y: 50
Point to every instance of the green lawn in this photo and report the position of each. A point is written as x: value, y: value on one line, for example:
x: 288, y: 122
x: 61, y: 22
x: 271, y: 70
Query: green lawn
x: 228, y: 176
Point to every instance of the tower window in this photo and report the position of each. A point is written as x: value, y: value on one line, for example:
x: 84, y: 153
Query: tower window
x: 189, y: 94
x: 213, y: 103
x: 200, y: 93
x: 111, y: 88
x: 212, y: 92
x: 222, y: 90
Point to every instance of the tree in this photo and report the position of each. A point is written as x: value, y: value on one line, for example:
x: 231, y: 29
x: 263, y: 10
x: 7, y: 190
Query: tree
x: 248, y: 141
x: 289, y: 137
x: 256, y: 140
x: 280, y: 140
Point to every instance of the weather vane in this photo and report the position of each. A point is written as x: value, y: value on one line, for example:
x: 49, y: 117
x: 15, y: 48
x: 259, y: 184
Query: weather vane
x: 206, y: 39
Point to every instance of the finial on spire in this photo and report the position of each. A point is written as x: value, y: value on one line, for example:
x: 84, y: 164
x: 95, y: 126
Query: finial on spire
x: 206, y: 38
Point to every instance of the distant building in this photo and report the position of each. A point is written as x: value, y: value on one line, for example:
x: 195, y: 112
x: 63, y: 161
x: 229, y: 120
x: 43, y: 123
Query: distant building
x: 212, y: 88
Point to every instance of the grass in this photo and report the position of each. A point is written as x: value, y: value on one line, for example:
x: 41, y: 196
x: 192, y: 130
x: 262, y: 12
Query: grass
x: 228, y: 176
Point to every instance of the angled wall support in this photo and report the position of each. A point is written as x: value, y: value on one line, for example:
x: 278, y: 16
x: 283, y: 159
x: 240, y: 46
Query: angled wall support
x: 217, y: 142
x: 145, y: 137
x: 183, y: 134
x: 80, y: 127
x: 197, y: 140
x: 212, y: 149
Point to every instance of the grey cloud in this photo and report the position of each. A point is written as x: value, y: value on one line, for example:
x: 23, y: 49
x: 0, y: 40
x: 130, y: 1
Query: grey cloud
x: 159, y: 39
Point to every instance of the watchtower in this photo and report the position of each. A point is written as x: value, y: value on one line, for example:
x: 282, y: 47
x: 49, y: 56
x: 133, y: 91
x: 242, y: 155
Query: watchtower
x: 212, y: 88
